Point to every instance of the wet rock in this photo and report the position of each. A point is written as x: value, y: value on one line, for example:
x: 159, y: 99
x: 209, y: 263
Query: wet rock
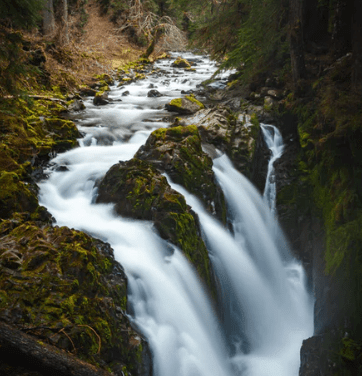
x: 181, y: 63
x: 236, y: 137
x: 186, y: 91
x: 87, y: 91
x: 61, y: 168
x: 15, y: 195
x: 101, y: 98
x: 186, y: 106
x: 269, y: 103
x: 139, y: 191
x: 318, y: 359
x: 177, y: 151
x: 76, y: 105
x: 271, y: 92
x: 63, y: 287
x: 125, y: 93
x: 154, y: 94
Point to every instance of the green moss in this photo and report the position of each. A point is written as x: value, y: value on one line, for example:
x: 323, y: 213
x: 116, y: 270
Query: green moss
x: 181, y: 63
x: 177, y: 102
x: 194, y: 100
x: 60, y: 285
x: 105, y: 78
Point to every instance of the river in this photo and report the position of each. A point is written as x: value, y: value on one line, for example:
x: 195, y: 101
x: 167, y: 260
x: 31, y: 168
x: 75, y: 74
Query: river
x: 264, y: 310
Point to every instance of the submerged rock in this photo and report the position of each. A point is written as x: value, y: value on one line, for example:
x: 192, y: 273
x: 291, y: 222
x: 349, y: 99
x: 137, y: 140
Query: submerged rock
x: 139, y: 191
x: 154, y: 93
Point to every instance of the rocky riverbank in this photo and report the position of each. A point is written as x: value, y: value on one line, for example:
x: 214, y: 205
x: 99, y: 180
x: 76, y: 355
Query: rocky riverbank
x: 64, y: 288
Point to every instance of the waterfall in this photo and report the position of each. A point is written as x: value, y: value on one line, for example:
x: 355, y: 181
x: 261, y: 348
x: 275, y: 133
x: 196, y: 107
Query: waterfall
x: 274, y: 141
x: 263, y: 309
x: 266, y: 310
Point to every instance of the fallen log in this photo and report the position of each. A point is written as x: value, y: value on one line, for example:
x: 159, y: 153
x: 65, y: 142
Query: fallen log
x: 39, y: 97
x: 21, y: 349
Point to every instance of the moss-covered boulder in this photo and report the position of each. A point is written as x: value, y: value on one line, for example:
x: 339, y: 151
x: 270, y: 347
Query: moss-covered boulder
x: 139, y: 191
x: 15, y: 195
x: 101, y: 98
x: 233, y: 135
x: 85, y: 90
x: 65, y: 288
x: 185, y: 106
x: 181, y: 63
x: 178, y: 152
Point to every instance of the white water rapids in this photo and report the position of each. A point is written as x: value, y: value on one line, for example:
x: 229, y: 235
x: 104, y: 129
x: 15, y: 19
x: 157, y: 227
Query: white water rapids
x: 265, y: 311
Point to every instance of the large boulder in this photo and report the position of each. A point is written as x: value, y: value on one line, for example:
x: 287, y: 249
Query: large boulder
x: 139, y: 191
x: 66, y: 289
x: 181, y: 63
x: 235, y: 136
x: 177, y: 151
x: 185, y: 106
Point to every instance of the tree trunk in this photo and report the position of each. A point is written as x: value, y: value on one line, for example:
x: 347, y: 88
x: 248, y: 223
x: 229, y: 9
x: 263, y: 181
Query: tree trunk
x: 342, y: 28
x: 64, y: 20
x: 48, y: 18
x: 296, y: 40
x: 357, y: 47
x: 32, y: 354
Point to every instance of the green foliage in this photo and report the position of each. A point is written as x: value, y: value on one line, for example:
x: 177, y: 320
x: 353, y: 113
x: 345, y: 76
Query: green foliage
x: 20, y: 13
x: 261, y: 38
x: 12, y: 58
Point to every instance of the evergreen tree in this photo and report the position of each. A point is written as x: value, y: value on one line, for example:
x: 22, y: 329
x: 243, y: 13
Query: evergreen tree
x: 20, y: 13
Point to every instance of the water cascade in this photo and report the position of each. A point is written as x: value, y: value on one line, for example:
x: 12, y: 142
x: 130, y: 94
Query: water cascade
x: 274, y: 141
x: 264, y: 309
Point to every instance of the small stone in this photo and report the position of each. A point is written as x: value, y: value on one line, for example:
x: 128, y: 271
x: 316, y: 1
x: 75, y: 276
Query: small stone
x: 154, y: 94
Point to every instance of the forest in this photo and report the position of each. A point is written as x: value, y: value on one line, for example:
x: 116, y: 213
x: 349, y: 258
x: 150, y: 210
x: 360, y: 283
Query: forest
x: 297, y: 64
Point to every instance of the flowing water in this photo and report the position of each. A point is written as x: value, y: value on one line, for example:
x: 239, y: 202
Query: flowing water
x: 264, y: 311
x: 274, y: 141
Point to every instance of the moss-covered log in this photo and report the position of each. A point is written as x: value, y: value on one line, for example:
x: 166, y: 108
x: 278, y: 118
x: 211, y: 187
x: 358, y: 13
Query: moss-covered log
x: 34, y: 356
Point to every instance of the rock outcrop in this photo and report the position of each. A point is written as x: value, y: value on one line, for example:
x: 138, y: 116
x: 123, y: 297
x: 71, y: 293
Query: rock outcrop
x: 185, y: 106
x: 139, y: 191
x: 178, y: 152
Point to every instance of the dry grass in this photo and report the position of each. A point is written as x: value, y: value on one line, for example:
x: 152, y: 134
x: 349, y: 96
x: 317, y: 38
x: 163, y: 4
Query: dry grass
x: 98, y: 48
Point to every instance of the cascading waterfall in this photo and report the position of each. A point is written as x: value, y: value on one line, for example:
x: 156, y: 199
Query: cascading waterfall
x: 274, y: 141
x: 263, y: 304
x: 266, y: 309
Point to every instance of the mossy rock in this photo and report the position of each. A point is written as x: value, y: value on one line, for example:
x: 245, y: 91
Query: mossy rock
x: 178, y: 152
x: 105, y: 78
x: 85, y: 90
x: 139, y: 191
x: 15, y: 195
x: 181, y: 63
x: 101, y: 98
x: 185, y: 106
x: 235, y: 136
x: 31, y: 131
x: 66, y: 288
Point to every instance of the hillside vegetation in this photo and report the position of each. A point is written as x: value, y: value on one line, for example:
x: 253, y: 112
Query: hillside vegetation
x: 298, y: 60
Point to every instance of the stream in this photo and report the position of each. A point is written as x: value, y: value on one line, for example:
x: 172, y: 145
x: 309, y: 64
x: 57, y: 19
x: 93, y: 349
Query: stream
x: 264, y: 309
